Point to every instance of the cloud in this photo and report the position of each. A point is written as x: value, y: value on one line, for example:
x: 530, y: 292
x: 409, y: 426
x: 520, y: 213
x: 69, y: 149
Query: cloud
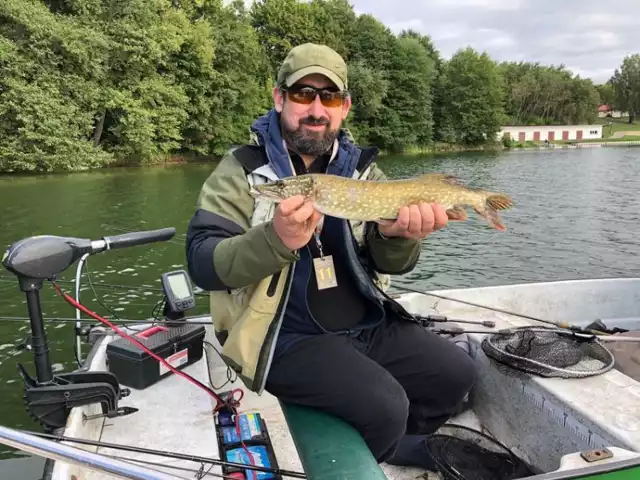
x: 590, y: 37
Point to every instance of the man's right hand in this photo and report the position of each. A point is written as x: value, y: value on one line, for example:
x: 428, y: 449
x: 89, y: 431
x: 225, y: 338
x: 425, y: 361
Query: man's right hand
x: 295, y: 221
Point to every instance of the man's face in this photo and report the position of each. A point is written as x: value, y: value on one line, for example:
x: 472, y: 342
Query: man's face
x: 310, y: 129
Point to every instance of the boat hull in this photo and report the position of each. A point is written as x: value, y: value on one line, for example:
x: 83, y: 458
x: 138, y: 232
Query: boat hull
x: 547, y: 422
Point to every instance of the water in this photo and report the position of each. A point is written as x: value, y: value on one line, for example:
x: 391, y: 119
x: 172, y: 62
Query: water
x: 576, y: 216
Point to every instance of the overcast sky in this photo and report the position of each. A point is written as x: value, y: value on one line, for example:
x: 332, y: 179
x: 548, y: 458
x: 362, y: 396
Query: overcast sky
x: 590, y: 37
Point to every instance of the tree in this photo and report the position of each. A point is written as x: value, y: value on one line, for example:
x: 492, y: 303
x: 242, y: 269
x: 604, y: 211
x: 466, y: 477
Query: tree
x: 607, y: 93
x: 472, y: 90
x: 626, y: 85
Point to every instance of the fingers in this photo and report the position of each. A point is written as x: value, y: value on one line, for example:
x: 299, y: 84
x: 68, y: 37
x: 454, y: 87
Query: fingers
x: 418, y: 220
x: 290, y: 205
x: 426, y: 217
x: 295, y: 209
x: 315, y: 219
x: 440, y: 217
x: 302, y: 214
x: 418, y: 217
x: 402, y: 222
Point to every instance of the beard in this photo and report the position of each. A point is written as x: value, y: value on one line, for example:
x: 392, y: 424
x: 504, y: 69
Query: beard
x: 306, y: 142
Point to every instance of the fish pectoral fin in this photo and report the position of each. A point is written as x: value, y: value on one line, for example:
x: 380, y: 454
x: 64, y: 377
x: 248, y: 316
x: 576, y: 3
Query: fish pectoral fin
x: 457, y: 213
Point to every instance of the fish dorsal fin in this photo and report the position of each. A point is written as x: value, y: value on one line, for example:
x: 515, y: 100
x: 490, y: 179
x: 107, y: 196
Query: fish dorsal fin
x: 441, y: 177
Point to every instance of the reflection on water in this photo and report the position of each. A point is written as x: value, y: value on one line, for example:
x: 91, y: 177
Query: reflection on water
x: 576, y: 216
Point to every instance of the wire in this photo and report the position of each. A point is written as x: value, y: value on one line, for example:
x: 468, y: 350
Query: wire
x: 232, y: 403
x: 219, y: 401
x: 230, y: 372
x: 97, y: 297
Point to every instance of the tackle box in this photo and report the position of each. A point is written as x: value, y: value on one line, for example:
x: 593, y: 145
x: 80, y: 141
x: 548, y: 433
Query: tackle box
x: 177, y: 345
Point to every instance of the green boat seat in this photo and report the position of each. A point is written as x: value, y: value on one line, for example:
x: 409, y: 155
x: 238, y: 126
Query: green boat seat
x: 329, y: 448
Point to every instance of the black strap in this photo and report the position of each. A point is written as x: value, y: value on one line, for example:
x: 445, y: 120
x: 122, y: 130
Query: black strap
x: 366, y: 158
x: 251, y: 157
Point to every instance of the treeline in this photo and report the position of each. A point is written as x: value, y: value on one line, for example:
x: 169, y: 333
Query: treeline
x: 89, y: 83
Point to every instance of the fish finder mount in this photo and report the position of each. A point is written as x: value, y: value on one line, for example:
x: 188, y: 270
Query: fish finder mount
x: 179, y: 296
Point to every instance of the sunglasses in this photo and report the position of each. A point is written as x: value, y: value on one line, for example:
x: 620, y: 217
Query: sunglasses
x: 306, y: 95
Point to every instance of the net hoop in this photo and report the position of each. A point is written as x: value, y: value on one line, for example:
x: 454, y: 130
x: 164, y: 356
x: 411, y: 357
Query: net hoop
x: 446, y: 443
x: 493, y: 347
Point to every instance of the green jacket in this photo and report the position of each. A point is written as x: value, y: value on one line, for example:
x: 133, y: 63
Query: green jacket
x: 234, y: 253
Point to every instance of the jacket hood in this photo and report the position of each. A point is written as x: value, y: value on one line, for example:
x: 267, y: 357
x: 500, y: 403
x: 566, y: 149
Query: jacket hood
x: 266, y: 132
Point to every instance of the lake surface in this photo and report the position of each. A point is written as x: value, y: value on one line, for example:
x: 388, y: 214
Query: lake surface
x: 577, y: 216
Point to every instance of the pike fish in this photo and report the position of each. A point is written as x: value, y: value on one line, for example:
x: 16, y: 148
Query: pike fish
x: 380, y: 201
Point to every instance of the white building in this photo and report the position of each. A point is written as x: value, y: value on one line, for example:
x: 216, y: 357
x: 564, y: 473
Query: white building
x: 608, y: 111
x: 540, y: 133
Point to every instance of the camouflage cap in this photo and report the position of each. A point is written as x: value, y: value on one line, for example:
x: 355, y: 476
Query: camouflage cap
x: 310, y: 58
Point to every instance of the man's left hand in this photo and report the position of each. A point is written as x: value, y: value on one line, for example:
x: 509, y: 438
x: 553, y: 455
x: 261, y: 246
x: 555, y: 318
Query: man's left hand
x: 416, y: 221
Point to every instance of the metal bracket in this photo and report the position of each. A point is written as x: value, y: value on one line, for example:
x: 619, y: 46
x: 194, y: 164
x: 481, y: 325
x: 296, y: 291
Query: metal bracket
x: 596, y: 455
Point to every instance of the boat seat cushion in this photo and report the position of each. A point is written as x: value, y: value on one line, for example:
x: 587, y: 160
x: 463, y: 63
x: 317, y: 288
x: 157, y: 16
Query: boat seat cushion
x: 328, y: 447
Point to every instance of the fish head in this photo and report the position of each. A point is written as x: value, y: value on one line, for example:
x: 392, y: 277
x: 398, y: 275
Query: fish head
x: 279, y: 190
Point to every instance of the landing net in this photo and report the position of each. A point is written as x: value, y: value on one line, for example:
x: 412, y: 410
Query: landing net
x: 549, y: 353
x: 461, y: 453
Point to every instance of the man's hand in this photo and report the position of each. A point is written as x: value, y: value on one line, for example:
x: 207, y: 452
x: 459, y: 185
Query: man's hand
x: 295, y: 221
x: 416, y: 221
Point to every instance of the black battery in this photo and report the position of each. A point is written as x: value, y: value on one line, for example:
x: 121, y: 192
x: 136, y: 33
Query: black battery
x: 177, y: 345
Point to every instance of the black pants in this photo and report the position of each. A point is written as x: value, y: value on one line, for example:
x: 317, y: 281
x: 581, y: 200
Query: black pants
x: 395, y: 379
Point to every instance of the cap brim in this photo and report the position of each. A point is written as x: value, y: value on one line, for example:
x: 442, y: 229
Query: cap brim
x: 314, y: 69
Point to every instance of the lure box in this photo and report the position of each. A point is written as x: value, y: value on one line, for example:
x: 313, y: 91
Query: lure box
x: 179, y: 346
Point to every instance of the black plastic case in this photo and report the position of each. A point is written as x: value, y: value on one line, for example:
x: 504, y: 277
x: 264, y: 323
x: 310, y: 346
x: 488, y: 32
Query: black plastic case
x: 135, y: 368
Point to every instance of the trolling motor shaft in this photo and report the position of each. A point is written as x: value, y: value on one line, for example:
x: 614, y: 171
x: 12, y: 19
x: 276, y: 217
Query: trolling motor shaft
x: 50, y: 398
x: 39, y: 343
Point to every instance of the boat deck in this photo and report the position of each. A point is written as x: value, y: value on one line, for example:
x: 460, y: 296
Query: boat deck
x: 176, y: 416
x: 539, y: 418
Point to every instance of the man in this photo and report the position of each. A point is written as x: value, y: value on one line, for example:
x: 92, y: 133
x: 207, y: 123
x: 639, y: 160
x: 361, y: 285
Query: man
x: 337, y: 342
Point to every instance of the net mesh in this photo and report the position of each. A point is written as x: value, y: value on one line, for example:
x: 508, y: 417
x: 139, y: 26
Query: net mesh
x: 549, y: 353
x: 461, y: 453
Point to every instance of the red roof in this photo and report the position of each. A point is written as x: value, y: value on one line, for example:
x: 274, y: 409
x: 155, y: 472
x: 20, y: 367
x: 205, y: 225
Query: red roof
x: 604, y: 108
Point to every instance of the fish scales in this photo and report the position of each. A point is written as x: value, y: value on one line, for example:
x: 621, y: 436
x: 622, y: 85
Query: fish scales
x: 380, y: 201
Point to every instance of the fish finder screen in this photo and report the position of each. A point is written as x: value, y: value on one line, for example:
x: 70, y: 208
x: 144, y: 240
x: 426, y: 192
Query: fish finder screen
x: 179, y: 286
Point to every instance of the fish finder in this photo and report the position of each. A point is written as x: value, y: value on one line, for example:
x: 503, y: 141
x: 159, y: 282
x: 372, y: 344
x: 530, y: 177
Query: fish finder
x: 178, y: 293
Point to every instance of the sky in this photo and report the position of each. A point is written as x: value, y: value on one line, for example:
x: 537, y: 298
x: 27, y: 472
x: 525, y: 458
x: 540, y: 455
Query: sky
x: 589, y: 37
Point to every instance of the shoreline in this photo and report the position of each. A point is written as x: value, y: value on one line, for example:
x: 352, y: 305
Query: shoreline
x: 438, y: 149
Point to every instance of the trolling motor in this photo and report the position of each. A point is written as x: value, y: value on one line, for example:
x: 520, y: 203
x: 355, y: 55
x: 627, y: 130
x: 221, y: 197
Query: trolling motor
x: 50, y: 398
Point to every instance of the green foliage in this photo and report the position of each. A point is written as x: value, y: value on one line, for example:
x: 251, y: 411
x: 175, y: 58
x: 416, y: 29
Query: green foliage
x: 90, y: 83
x: 473, y: 94
x: 542, y: 95
x: 607, y: 93
x: 626, y: 86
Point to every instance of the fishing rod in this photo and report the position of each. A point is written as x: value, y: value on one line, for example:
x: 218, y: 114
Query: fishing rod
x: 29, y: 442
x: 424, y: 319
x: 88, y: 320
x: 559, y: 331
x: 168, y: 454
x: 563, y: 325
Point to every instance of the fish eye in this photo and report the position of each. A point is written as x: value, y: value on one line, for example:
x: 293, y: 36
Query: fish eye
x: 280, y: 184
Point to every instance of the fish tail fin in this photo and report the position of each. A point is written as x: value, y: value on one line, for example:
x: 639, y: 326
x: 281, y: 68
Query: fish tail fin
x: 489, y: 211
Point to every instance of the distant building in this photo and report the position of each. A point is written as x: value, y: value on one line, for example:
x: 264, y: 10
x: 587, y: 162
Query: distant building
x: 540, y: 133
x: 608, y: 111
